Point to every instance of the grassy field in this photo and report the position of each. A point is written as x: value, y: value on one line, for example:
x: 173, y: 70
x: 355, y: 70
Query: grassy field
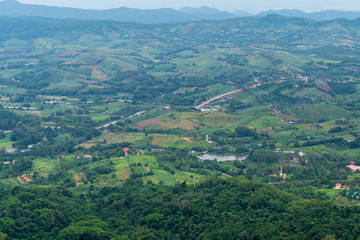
x: 190, y: 178
x: 44, y: 165
x: 187, y: 120
x: 331, y: 193
x: 265, y: 122
x: 160, y: 175
x: 6, y: 142
x: 164, y: 176
x: 164, y: 140
x: 114, y: 138
x: 99, y: 118
x: 121, y: 168
x: 148, y: 160
x: 318, y: 112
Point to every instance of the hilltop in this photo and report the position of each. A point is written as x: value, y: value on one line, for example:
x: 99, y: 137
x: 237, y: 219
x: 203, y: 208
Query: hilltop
x: 13, y: 8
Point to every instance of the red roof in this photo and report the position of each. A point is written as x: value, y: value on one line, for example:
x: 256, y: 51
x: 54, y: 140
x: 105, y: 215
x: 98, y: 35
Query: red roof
x: 126, y: 150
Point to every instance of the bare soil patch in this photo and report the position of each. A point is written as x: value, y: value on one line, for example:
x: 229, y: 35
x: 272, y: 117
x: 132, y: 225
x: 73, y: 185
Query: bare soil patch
x: 188, y: 140
x: 269, y: 130
x: 143, y: 124
x: 24, y: 178
x: 286, y: 117
x: 311, y: 126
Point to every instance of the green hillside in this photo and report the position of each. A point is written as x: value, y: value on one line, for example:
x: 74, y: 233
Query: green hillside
x: 239, y: 129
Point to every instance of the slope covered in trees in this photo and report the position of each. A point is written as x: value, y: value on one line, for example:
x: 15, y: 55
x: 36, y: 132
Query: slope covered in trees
x: 214, y: 209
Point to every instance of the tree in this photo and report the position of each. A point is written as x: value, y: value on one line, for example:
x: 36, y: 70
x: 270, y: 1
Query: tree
x: 153, y: 220
x: 244, y: 132
x: 3, y: 236
x: 86, y: 230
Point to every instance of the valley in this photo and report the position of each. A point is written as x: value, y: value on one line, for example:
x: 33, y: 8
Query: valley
x: 94, y: 112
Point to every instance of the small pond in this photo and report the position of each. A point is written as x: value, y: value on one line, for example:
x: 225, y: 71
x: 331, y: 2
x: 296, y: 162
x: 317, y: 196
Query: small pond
x: 221, y: 158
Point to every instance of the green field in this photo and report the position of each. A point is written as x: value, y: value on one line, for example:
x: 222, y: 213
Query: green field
x: 43, y: 165
x: 164, y: 176
x: 318, y: 112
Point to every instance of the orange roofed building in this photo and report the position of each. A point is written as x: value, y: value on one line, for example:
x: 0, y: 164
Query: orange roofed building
x: 353, y: 167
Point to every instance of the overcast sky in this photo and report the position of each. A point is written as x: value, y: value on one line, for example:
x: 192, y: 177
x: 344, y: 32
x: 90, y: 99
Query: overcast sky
x: 227, y: 5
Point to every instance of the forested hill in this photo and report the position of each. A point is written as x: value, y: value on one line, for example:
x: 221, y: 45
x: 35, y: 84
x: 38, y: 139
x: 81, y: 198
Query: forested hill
x: 214, y: 209
x: 269, y: 28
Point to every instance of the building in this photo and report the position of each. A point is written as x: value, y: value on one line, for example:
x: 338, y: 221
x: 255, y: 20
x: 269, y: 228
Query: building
x: 167, y: 108
x: 10, y: 150
x: 126, y: 151
x: 281, y: 172
x: 353, y: 167
x: 338, y: 186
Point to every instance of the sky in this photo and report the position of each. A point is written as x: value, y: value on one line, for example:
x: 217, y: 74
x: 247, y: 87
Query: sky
x: 253, y: 6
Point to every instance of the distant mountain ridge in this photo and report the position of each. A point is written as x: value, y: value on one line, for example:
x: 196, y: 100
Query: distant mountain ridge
x: 317, y: 16
x: 210, y: 13
x: 13, y: 8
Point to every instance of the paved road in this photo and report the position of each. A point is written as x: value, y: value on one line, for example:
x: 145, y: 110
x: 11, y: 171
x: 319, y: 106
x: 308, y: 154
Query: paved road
x: 217, y: 97
x: 114, y: 122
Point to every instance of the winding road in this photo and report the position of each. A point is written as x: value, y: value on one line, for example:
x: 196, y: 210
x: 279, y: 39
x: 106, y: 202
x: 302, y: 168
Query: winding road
x: 217, y: 97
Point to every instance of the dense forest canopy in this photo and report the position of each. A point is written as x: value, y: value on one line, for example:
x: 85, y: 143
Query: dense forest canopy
x: 214, y: 209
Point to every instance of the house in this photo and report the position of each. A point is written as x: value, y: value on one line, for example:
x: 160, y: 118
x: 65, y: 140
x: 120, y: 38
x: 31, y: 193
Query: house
x: 338, y: 186
x: 10, y: 150
x: 167, y: 108
x: 353, y: 167
x: 126, y: 151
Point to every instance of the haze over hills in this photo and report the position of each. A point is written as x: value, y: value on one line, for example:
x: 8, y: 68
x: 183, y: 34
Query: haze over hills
x: 317, y: 16
x: 13, y: 8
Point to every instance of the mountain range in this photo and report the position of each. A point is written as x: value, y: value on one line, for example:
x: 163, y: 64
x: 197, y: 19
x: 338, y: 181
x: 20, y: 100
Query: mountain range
x: 13, y: 8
